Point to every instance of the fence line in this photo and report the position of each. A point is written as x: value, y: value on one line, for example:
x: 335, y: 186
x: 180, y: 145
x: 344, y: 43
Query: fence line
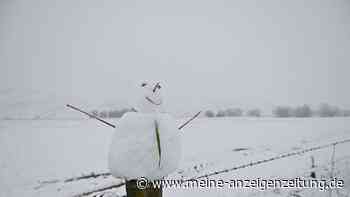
x: 258, y: 162
x: 290, y: 154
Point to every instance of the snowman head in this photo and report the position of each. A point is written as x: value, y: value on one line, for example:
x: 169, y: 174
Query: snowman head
x: 151, y: 100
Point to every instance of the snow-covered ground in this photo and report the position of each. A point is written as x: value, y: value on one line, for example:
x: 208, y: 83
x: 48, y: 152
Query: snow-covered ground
x: 49, y: 150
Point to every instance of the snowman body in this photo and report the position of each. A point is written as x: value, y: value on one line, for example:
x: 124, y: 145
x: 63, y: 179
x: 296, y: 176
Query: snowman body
x: 145, y: 144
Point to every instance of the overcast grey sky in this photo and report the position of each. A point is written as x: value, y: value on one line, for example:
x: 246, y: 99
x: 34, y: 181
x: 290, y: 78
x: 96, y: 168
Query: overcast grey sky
x: 206, y: 53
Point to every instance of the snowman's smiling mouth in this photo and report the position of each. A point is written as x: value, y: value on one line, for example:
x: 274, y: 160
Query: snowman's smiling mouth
x: 153, y: 102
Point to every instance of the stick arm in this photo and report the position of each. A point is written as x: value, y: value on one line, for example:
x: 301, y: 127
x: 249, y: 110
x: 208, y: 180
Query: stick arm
x: 189, y: 120
x: 90, y: 115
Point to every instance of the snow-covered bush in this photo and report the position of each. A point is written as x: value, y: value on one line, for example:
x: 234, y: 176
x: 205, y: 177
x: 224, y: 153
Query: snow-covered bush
x: 94, y: 112
x: 104, y: 114
x: 283, y: 111
x: 254, y: 113
x: 326, y: 110
x: 115, y: 114
x: 346, y: 113
x: 302, y: 111
x: 110, y: 113
x: 233, y: 112
x: 221, y: 113
x: 209, y: 114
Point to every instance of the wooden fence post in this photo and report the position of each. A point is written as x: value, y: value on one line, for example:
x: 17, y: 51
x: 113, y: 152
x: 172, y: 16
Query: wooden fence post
x: 313, y: 166
x: 132, y: 190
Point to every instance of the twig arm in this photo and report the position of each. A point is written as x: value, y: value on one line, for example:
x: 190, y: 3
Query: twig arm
x: 90, y: 115
x: 188, y: 121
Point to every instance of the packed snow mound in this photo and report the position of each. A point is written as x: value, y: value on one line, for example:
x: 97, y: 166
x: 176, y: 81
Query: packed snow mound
x: 145, y: 145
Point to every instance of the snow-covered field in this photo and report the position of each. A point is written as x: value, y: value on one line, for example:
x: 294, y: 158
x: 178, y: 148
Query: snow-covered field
x: 49, y: 150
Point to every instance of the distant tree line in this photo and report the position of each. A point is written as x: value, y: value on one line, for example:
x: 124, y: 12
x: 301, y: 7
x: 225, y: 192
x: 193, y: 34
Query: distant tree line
x: 286, y: 111
x: 303, y: 111
x: 232, y: 112
x: 110, y: 113
x: 324, y: 110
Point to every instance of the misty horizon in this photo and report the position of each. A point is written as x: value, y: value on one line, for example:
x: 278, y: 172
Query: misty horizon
x: 207, y: 55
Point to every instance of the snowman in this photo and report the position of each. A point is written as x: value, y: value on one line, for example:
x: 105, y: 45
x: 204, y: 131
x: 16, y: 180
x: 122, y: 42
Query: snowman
x: 146, y: 142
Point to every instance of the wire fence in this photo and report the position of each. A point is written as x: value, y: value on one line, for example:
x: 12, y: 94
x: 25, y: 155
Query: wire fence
x: 258, y: 162
x: 227, y: 170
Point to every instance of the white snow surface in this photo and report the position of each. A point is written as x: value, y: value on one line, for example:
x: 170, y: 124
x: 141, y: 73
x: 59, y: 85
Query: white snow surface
x: 51, y: 150
x: 134, y: 151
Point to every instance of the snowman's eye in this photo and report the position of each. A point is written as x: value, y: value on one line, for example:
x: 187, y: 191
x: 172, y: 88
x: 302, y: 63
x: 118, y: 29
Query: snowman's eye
x: 143, y: 84
x: 159, y: 86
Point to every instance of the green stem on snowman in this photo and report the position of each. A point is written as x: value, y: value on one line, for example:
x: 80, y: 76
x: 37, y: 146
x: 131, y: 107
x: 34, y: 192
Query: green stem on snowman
x: 158, y: 141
